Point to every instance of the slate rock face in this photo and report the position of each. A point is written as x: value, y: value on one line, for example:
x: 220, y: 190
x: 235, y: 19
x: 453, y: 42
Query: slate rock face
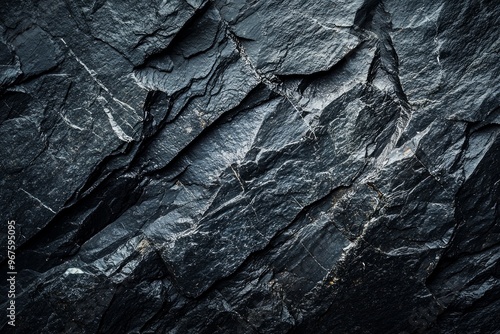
x: 252, y: 166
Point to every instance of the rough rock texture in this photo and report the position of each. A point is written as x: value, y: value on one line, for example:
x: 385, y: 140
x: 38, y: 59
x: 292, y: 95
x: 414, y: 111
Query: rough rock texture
x: 194, y: 166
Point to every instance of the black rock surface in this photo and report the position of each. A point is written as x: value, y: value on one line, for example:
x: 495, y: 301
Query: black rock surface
x: 195, y: 166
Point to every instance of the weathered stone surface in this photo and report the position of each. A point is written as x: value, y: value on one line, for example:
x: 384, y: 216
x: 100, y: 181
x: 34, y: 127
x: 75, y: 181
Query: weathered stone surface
x: 251, y: 166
